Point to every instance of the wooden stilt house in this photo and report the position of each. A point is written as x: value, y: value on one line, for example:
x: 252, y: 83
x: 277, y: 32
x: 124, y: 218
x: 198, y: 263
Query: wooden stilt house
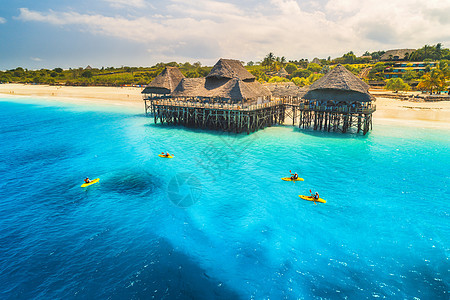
x: 162, y: 85
x: 229, y: 98
x: 338, y: 101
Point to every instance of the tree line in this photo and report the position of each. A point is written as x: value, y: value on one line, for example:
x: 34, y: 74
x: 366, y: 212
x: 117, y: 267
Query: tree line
x: 109, y: 76
x: 270, y: 69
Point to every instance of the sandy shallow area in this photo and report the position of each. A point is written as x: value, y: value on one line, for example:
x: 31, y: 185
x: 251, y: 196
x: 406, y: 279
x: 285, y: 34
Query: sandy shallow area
x: 389, y: 111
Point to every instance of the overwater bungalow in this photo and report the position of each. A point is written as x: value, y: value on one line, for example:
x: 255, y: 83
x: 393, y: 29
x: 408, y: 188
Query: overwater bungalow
x: 337, y: 101
x: 228, y: 82
x: 165, y: 82
x: 230, y: 99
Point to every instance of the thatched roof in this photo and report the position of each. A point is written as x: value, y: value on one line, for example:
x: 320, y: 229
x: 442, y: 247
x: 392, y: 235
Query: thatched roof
x: 316, y: 61
x: 227, y: 79
x: 234, y: 89
x: 165, y: 82
x: 396, y: 54
x: 285, y: 89
x: 282, y: 73
x: 230, y: 68
x: 339, y: 85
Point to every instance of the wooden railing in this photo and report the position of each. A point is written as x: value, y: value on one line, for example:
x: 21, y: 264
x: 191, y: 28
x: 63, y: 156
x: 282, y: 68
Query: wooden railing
x: 299, y: 104
x: 343, y: 109
x: 221, y: 106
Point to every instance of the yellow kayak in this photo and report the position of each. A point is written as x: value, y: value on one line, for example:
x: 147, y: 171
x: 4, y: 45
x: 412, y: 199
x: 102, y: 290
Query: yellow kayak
x: 309, y: 198
x: 165, y: 156
x: 92, y: 182
x: 290, y: 179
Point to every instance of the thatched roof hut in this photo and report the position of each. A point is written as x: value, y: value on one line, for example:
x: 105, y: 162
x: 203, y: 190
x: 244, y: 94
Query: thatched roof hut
x: 285, y: 90
x: 396, y: 54
x: 316, y: 61
x: 282, y: 73
x: 165, y: 82
x: 228, y: 79
x: 230, y: 68
x: 339, y: 85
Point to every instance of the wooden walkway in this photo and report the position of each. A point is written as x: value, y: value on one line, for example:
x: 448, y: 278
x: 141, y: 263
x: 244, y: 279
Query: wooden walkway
x: 237, y: 118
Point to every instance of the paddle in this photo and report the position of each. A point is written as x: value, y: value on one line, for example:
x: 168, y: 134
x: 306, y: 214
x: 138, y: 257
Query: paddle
x: 313, y: 197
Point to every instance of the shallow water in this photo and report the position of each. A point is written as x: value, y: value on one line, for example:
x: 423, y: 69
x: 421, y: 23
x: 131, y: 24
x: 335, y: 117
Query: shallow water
x: 216, y: 221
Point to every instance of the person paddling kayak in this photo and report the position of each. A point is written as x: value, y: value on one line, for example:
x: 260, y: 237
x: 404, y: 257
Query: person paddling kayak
x: 315, y: 196
x: 167, y: 154
x: 87, y: 180
x: 294, y: 176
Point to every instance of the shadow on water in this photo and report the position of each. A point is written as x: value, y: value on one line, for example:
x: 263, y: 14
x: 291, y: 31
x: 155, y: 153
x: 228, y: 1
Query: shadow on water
x: 331, y: 134
x: 135, y: 182
x: 170, y: 274
x: 188, y: 129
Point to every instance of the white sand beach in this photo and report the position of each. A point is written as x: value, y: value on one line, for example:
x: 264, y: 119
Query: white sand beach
x: 389, y: 111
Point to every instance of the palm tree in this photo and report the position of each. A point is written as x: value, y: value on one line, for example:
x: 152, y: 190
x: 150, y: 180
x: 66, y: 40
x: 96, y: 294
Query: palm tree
x: 438, y: 51
x: 269, y: 59
x: 433, y: 80
x: 426, y: 49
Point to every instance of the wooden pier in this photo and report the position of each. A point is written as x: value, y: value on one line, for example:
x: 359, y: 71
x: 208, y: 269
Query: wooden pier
x: 330, y: 118
x: 234, y: 118
x: 230, y: 99
x: 224, y: 117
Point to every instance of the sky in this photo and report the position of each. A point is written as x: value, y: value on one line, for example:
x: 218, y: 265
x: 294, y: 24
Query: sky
x: 103, y: 33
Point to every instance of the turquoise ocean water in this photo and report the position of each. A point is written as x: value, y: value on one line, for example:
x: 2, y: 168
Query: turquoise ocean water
x: 216, y: 221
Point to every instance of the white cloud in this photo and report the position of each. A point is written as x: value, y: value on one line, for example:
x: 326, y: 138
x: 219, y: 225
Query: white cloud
x: 2, y: 20
x: 36, y: 58
x: 206, y: 30
x: 125, y: 3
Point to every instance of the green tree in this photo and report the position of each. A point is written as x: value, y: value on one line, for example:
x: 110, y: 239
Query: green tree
x: 290, y: 68
x: 269, y: 60
x: 315, y: 68
x: 301, y: 73
x: 314, y: 77
x: 5, y: 77
x: 444, y: 68
x: 37, y: 79
x: 410, y: 74
x: 19, y: 72
x: 86, y: 74
x: 277, y: 79
x: 300, y: 81
x: 192, y: 74
x: 396, y: 84
x: 349, y: 58
x: 376, y: 73
x: 351, y: 68
x: 432, y: 81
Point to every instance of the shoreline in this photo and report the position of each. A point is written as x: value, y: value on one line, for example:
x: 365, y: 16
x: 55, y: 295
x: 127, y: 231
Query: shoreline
x: 389, y: 111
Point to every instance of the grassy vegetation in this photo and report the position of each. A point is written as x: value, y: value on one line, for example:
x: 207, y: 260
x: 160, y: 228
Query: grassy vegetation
x: 98, y: 77
x: 301, y: 72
